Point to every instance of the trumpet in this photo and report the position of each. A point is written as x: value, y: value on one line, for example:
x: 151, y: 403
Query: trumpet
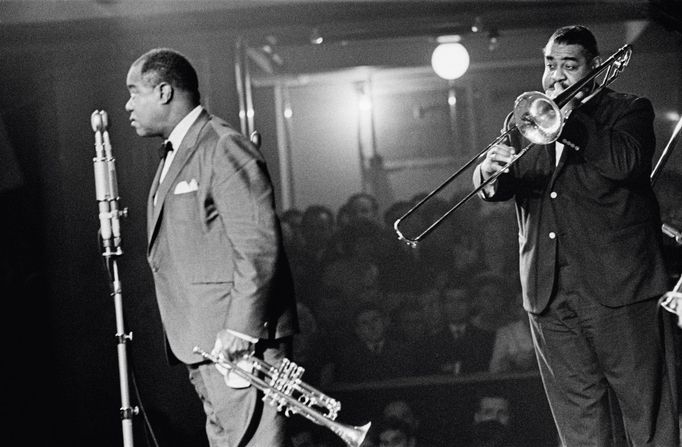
x: 539, y: 119
x: 282, y: 387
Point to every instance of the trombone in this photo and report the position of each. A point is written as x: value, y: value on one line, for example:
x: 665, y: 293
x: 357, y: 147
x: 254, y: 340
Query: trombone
x: 539, y: 119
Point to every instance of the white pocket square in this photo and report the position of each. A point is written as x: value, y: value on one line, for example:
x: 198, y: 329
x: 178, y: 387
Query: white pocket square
x: 183, y: 187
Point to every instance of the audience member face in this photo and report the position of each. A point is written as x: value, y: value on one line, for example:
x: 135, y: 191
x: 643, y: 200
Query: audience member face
x: 400, y: 410
x: 370, y: 326
x: 455, y: 305
x: 394, y: 438
x: 318, y: 229
x: 364, y: 208
x: 432, y: 310
x: 493, y: 409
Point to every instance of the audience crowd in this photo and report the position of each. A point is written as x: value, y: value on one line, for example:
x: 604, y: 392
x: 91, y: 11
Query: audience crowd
x: 373, y: 308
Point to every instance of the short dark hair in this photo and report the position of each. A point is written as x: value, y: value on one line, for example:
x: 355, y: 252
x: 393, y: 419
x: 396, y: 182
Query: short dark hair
x: 577, y: 35
x: 167, y: 65
x: 313, y: 211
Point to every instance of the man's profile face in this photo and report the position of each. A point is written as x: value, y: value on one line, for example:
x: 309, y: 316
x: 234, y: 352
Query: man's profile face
x: 564, y: 66
x: 144, y: 104
x: 493, y: 409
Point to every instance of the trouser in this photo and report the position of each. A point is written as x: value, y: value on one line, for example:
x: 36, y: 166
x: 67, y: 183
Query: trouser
x: 584, y: 349
x: 239, y: 417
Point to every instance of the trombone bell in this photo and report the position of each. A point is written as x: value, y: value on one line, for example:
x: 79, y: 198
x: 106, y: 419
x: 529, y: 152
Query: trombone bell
x: 538, y: 117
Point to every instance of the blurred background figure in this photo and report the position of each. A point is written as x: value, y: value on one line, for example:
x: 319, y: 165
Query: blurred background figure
x: 513, y: 350
x: 317, y: 228
x: 363, y: 206
x: 463, y: 348
x: 310, y: 348
x: 371, y: 355
x: 491, y: 294
x: 290, y: 221
x: 396, y: 433
x: 492, y: 423
x: 401, y: 410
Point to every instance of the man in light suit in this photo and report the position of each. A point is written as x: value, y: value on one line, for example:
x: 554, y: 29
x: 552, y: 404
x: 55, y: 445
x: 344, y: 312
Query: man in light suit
x: 591, y: 263
x: 214, y: 246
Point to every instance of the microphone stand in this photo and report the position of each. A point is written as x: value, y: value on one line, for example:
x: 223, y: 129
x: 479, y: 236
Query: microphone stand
x: 106, y: 189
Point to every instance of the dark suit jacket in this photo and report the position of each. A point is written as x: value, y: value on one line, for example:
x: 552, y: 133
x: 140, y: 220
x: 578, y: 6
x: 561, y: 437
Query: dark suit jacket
x: 596, y: 209
x: 214, y: 243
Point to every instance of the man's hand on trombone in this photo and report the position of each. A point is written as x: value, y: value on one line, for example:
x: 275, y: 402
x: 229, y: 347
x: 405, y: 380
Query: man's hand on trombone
x: 496, y: 159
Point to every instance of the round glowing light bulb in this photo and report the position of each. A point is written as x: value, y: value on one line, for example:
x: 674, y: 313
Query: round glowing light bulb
x: 450, y: 60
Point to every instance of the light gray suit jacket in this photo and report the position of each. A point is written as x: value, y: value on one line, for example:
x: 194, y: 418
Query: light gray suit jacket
x: 214, y: 243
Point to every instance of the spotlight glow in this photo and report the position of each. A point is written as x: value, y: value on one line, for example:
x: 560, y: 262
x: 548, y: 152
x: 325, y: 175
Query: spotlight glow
x: 450, y: 60
x: 364, y: 103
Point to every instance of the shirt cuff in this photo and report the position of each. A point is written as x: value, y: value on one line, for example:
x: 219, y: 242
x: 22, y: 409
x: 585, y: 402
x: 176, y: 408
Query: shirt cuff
x: 488, y: 190
x: 243, y: 336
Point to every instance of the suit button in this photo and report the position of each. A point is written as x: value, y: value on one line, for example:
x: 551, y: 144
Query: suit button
x: 552, y: 235
x: 553, y: 195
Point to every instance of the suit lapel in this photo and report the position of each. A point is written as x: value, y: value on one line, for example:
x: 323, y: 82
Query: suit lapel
x: 184, y: 152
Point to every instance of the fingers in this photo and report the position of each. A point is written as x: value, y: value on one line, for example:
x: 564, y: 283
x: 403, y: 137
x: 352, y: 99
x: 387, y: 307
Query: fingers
x: 231, y: 346
x: 497, y: 158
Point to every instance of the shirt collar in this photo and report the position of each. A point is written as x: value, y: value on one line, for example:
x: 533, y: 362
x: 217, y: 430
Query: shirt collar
x: 180, y: 130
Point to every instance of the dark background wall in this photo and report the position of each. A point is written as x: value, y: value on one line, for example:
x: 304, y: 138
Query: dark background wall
x: 59, y: 321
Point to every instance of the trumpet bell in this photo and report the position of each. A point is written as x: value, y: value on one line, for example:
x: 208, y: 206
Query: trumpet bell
x: 537, y: 117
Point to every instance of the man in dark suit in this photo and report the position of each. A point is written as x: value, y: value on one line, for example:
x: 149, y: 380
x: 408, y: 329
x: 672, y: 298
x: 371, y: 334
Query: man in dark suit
x: 369, y: 353
x: 590, y: 255
x: 214, y: 247
x: 459, y: 347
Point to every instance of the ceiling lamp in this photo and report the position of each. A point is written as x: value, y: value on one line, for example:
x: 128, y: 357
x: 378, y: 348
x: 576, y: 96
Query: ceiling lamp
x: 450, y: 60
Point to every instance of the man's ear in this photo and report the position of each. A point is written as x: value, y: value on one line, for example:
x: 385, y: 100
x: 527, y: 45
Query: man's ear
x: 165, y: 92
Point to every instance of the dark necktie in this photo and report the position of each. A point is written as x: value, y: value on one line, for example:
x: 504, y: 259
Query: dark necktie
x: 164, y: 149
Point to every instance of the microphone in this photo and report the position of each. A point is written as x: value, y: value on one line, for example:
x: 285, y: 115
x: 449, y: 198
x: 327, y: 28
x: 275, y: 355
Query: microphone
x: 101, y: 183
x: 106, y: 185
x: 113, y: 182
